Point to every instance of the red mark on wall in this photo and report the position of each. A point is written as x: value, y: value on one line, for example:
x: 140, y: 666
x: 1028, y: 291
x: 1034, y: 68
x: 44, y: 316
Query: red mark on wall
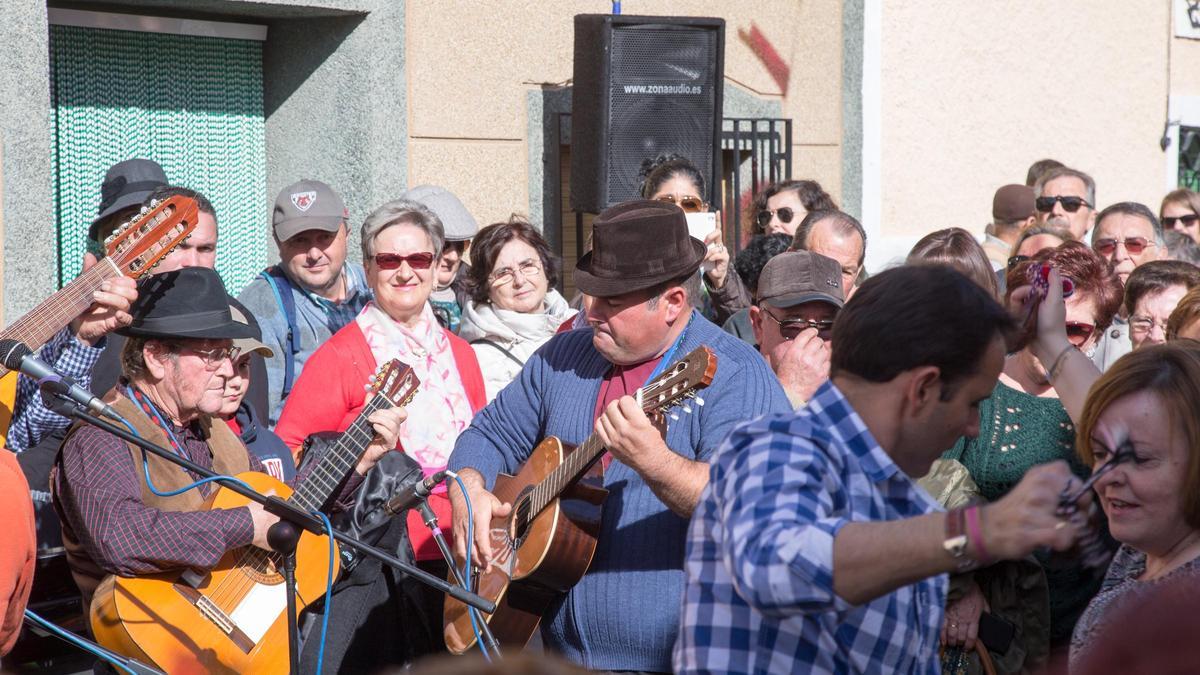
x: 762, y: 48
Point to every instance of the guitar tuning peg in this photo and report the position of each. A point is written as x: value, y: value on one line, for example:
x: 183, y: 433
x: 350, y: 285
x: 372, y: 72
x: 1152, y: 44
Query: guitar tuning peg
x: 674, y: 417
x: 699, y: 401
x: 687, y: 408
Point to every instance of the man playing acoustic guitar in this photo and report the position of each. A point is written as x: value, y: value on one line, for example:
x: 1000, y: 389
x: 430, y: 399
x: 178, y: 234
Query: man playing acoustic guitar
x: 181, y: 347
x: 642, y: 274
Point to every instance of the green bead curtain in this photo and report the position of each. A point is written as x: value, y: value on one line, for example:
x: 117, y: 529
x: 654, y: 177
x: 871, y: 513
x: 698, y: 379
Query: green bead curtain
x: 193, y: 104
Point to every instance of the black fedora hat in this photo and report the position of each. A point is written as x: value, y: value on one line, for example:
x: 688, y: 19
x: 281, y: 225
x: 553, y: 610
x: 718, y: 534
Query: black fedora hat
x: 127, y: 184
x: 637, y: 245
x: 186, y: 303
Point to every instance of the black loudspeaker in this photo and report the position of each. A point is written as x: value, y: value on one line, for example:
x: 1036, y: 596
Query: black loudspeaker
x: 643, y: 85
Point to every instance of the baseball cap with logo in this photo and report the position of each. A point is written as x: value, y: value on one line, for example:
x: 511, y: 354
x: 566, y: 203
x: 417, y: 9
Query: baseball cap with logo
x: 797, y: 277
x: 307, y: 205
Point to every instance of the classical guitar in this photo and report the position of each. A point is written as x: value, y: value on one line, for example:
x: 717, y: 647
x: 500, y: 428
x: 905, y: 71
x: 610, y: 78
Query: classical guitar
x: 546, y: 543
x: 233, y: 618
x: 132, y: 250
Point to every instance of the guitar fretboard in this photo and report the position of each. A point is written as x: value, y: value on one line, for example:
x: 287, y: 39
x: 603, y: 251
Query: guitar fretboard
x: 319, y: 485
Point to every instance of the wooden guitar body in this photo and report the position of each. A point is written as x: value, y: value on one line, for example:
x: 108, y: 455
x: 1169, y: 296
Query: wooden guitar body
x: 230, y: 620
x: 8, y: 401
x: 546, y: 558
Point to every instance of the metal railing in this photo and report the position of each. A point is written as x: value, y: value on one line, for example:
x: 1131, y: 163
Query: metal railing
x: 757, y: 151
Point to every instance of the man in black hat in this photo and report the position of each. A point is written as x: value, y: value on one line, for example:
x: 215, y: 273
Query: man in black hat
x: 179, y: 353
x: 641, y: 273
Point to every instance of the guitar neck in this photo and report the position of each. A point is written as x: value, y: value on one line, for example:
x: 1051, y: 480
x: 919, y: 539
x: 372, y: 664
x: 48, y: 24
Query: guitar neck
x: 573, y: 467
x: 41, y: 323
x: 341, y: 458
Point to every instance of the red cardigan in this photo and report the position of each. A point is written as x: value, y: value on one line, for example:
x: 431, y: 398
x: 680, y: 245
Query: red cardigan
x: 329, y: 395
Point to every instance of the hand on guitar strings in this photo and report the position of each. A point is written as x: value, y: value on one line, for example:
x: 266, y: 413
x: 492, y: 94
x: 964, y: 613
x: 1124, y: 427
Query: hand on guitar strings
x: 262, y: 522
x: 109, y: 312
x: 387, y: 433
x: 486, y: 507
x: 630, y: 435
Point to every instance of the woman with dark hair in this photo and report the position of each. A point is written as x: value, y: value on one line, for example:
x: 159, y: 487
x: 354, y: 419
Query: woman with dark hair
x: 513, y: 307
x: 672, y: 178
x: 957, y: 248
x: 781, y: 206
x: 1030, y: 419
x: 1180, y: 211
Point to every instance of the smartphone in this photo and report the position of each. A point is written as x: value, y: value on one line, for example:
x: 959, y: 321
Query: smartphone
x: 700, y: 225
x: 995, y: 633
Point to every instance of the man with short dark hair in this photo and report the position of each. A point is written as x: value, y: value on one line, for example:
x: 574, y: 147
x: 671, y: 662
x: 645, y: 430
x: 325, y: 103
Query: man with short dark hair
x: 1066, y: 198
x: 1012, y: 211
x: 836, y: 235
x: 1151, y: 294
x: 812, y: 548
x: 641, y: 275
x: 1128, y: 235
x: 799, y: 295
x: 312, y: 293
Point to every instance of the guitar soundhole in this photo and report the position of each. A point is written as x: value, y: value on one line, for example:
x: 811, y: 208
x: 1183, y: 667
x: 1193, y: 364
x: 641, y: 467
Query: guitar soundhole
x: 522, y: 519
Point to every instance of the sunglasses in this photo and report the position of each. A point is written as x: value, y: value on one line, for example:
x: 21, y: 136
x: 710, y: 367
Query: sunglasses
x: 1069, y: 204
x: 1134, y: 245
x: 392, y: 261
x: 1185, y: 221
x: 1017, y: 260
x: 790, y: 328
x: 688, y: 204
x: 1078, y: 333
x: 764, y: 217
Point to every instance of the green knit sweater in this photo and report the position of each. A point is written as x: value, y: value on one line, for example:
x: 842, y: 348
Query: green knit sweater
x: 1018, y: 431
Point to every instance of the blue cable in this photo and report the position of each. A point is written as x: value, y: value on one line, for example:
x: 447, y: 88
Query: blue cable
x: 155, y: 490
x: 471, y: 611
x: 93, y: 649
x: 328, y: 591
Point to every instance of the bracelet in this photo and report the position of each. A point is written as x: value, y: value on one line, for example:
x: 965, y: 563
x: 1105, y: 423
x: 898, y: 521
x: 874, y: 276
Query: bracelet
x: 975, y: 534
x: 1058, y: 361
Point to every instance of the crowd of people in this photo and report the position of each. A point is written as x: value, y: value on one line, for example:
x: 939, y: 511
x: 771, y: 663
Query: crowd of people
x: 985, y: 459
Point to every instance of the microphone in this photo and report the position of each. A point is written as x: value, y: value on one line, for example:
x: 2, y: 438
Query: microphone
x: 17, y: 356
x: 417, y: 492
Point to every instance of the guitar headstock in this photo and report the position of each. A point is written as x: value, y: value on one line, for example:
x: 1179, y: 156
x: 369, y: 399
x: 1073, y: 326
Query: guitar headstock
x: 137, y: 246
x: 396, y: 382
x: 681, y: 380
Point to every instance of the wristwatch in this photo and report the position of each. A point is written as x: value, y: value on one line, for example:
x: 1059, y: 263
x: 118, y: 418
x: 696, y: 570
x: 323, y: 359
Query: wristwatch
x: 956, y: 538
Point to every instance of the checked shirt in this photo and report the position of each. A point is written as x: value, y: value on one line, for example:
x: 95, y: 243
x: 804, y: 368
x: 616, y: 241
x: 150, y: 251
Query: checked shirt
x: 759, y: 568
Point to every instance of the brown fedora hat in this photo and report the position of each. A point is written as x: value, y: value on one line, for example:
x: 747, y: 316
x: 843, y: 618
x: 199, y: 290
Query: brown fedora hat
x: 637, y: 245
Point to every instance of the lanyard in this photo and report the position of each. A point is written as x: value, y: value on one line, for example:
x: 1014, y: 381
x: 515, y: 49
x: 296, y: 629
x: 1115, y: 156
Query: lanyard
x: 152, y: 411
x: 666, y: 357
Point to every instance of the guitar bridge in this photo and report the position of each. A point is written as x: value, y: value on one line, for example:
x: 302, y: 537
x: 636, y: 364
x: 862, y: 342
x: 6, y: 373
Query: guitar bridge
x: 214, y: 614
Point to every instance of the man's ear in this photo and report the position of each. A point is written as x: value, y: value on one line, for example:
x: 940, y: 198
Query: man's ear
x: 155, y: 354
x: 756, y: 320
x: 677, y: 303
x: 924, y: 388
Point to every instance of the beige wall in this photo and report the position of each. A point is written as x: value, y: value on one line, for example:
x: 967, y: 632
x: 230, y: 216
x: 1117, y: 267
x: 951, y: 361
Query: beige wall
x: 472, y: 64
x: 972, y: 93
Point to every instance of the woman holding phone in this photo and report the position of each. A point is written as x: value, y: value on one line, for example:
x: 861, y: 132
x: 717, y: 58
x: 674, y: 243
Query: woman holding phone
x: 672, y: 178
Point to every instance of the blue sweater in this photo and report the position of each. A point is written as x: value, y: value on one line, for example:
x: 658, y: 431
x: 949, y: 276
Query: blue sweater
x: 624, y: 614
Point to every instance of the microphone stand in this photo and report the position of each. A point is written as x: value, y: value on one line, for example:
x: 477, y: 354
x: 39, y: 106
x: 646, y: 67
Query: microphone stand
x: 431, y: 522
x: 298, y: 519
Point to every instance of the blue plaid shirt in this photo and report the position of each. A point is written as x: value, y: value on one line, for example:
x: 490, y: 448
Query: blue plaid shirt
x: 32, y: 420
x: 759, y: 595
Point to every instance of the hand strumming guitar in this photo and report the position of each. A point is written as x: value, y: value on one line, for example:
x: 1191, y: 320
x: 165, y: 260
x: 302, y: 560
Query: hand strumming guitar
x: 485, y: 507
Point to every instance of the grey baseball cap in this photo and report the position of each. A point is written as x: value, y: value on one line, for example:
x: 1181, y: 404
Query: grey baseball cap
x: 307, y: 205
x: 797, y: 277
x: 458, y: 222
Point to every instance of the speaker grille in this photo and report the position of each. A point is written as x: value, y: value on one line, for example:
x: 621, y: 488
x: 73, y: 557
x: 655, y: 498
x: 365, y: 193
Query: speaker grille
x: 661, y: 100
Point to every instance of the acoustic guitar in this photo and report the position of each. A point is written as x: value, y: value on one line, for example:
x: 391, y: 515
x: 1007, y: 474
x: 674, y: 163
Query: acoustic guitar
x: 233, y: 618
x: 133, y: 250
x: 545, y: 545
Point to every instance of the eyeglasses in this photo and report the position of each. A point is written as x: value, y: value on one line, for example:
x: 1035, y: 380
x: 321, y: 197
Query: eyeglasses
x: 688, y: 204
x: 1134, y: 245
x: 212, y: 357
x: 1185, y: 221
x: 1069, y: 204
x: 1143, y: 325
x: 785, y: 214
x: 1078, y: 333
x: 391, y: 261
x: 1017, y: 260
x: 506, y: 275
x: 790, y: 328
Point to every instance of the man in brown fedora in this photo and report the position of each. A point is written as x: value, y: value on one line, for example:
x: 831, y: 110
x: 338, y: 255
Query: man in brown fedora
x: 641, y: 273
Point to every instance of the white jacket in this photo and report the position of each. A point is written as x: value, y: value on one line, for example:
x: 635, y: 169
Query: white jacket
x: 520, y: 334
